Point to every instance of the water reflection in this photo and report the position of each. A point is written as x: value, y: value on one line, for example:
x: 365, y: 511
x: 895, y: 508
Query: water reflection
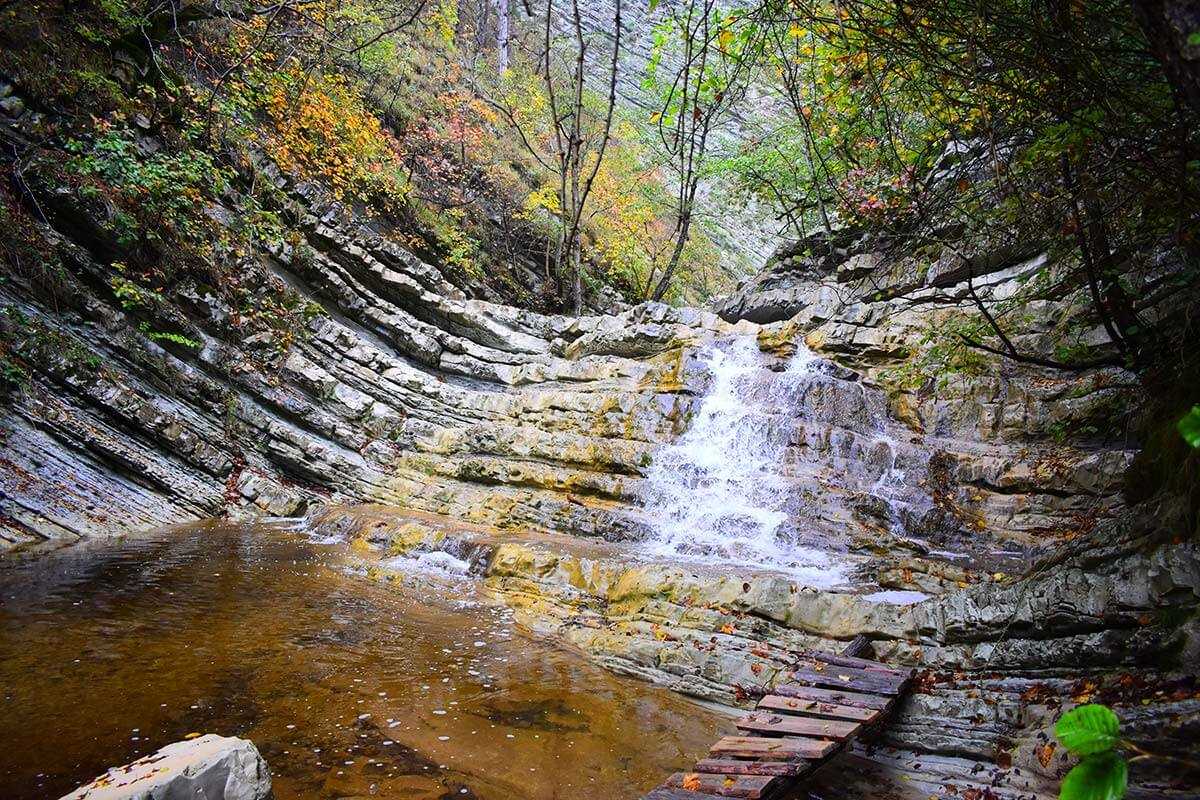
x: 110, y: 650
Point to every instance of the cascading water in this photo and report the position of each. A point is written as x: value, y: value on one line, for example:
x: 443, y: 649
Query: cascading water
x: 718, y: 492
x: 766, y: 456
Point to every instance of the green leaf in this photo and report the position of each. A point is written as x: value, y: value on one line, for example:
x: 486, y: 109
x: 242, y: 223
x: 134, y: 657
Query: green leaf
x: 1087, y: 730
x: 1193, y: 38
x: 1189, y: 427
x: 1100, y: 777
x: 653, y: 5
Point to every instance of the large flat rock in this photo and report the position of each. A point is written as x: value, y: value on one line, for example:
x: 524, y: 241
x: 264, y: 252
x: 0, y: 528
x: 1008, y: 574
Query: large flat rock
x: 210, y: 767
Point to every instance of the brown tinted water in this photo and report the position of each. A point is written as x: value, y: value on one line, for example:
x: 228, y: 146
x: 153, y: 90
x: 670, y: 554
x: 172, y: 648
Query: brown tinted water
x: 349, y: 688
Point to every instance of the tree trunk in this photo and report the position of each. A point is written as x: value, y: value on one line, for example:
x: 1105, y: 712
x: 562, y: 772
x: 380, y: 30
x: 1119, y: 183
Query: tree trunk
x: 1168, y: 25
x: 664, y: 283
x: 577, y: 268
x: 502, y: 36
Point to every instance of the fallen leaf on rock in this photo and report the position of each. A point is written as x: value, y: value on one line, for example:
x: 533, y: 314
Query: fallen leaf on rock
x: 1045, y: 753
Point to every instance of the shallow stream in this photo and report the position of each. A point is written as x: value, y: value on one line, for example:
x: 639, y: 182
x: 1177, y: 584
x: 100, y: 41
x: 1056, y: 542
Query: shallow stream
x: 349, y: 688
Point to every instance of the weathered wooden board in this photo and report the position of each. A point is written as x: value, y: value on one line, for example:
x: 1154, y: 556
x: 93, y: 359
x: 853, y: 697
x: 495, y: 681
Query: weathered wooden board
x: 854, y: 673
x: 818, y: 708
x: 846, y: 678
x: 751, y: 787
x: 788, y: 725
x: 857, y: 647
x: 733, y: 766
x: 857, y: 663
x: 843, y: 697
x: 671, y: 793
x: 768, y: 747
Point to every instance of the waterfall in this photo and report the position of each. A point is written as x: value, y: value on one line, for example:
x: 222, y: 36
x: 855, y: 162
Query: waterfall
x: 718, y: 492
x: 768, y: 458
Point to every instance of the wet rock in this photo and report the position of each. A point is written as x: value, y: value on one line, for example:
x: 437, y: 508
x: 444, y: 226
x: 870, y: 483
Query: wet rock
x: 209, y: 767
x: 1111, y: 618
x: 401, y: 390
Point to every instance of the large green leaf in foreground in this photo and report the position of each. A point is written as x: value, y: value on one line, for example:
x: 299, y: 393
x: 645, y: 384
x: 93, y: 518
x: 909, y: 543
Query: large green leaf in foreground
x: 1100, y: 777
x: 1189, y: 427
x: 1087, y: 730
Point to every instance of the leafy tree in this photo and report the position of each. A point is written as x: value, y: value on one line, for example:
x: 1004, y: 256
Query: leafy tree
x: 946, y: 125
x: 711, y: 51
x: 567, y: 128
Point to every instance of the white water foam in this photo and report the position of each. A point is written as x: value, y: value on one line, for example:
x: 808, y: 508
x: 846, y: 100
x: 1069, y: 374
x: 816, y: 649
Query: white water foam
x: 430, y: 562
x: 717, y: 494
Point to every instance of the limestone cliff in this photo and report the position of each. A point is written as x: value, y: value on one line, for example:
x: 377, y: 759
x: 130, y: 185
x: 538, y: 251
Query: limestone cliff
x: 531, y: 431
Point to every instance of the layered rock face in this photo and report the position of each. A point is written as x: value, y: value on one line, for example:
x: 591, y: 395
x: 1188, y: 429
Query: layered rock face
x: 1036, y: 448
x: 527, y: 434
x: 399, y: 390
x: 1112, y: 618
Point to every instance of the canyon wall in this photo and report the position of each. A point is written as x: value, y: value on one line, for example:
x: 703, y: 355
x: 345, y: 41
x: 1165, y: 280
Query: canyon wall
x: 535, y: 434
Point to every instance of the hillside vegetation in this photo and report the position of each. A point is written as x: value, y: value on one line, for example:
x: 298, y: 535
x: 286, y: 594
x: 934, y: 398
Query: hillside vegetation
x: 492, y: 141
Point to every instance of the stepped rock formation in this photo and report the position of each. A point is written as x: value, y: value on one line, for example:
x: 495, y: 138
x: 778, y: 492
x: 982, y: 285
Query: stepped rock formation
x: 531, y: 437
x: 400, y: 390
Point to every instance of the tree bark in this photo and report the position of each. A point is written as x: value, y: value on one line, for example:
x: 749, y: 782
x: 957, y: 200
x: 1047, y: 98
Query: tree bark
x: 502, y: 34
x: 664, y: 283
x: 1168, y: 26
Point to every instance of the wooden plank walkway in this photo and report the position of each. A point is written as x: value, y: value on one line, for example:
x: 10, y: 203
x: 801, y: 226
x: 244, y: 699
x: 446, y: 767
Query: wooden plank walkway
x: 825, y: 703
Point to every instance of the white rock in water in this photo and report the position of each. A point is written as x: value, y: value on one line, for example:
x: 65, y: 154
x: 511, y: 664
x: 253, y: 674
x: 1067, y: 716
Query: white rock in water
x: 210, y: 767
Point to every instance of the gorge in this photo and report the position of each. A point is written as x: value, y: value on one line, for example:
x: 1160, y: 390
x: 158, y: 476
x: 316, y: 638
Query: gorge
x: 416, y: 531
x: 621, y: 483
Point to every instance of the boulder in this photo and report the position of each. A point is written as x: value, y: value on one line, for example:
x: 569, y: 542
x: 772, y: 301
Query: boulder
x: 210, y: 767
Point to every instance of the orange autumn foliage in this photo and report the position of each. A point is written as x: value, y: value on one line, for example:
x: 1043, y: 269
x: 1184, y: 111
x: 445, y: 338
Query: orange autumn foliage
x: 321, y: 129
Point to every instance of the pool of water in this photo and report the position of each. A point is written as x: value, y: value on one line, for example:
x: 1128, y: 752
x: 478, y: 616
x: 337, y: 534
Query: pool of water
x: 349, y: 688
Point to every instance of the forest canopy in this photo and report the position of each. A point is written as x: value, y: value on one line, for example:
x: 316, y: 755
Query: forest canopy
x: 552, y: 151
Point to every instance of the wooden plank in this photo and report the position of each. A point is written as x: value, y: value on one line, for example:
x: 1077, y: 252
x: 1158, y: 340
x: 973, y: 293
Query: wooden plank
x: 858, y: 663
x: 733, y: 766
x: 818, y: 708
x: 846, y: 678
x: 787, y: 725
x: 843, y: 698
x: 855, y: 673
x: 768, y: 747
x: 751, y: 787
x: 828, y: 700
x: 858, y: 646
